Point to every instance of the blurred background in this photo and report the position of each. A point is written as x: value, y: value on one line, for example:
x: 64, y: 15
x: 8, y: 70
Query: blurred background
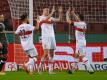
x: 94, y: 11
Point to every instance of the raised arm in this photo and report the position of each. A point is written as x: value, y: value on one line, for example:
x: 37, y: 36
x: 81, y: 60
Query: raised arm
x: 37, y: 23
x: 52, y: 12
x: 68, y: 16
x: 60, y: 10
x: 76, y: 17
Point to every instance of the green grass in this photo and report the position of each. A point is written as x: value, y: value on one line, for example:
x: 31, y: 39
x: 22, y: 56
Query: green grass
x: 61, y: 75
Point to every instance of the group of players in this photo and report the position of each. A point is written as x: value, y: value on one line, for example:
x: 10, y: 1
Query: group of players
x: 46, y: 22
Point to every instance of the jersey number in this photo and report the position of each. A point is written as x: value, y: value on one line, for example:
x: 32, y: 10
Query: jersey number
x: 23, y: 33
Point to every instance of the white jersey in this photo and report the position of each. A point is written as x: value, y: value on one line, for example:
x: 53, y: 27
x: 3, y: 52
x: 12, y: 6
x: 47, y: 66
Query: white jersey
x: 25, y: 32
x: 79, y: 33
x: 47, y: 29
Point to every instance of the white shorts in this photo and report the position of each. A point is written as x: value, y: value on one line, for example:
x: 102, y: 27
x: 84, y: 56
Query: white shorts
x: 48, y: 43
x: 81, y: 47
x: 32, y: 52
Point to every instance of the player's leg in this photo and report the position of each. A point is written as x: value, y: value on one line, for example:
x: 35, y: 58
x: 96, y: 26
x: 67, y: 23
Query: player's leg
x: 41, y: 65
x: 30, y: 65
x: 75, y: 64
x: 46, y: 48
x: 3, y: 58
x: 51, y: 54
x: 88, y: 65
x: 77, y: 54
x: 32, y: 55
x: 76, y: 59
x: 84, y: 58
x: 51, y: 61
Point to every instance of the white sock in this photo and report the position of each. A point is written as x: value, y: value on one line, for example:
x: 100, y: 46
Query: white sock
x: 41, y: 65
x: 30, y: 67
x: 50, y: 64
x: 31, y: 64
x: 87, y: 63
x: 75, y: 63
x: 35, y: 59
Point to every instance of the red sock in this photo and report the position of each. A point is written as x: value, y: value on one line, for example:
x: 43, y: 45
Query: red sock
x: 3, y: 68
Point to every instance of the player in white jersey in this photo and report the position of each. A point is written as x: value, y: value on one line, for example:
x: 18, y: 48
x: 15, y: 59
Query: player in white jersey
x: 25, y: 31
x: 48, y: 37
x: 80, y: 29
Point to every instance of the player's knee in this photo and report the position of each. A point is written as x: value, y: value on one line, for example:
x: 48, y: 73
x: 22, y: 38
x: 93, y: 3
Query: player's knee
x: 76, y: 55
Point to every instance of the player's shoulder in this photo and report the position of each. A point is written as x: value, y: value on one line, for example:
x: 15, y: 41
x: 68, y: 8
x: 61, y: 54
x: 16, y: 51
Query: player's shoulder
x: 80, y: 22
x: 19, y: 26
x: 84, y: 23
x: 25, y: 24
x: 52, y: 18
x: 42, y: 16
x: 22, y: 25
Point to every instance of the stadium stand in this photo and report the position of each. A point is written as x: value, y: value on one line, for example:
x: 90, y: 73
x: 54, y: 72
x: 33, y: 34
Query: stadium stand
x: 94, y: 12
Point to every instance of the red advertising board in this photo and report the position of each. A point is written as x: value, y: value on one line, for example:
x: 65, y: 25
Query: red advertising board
x: 64, y: 54
x: 95, y: 52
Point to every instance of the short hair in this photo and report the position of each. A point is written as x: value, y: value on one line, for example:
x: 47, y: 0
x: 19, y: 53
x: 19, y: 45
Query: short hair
x: 23, y: 16
x: 45, y: 6
x: 81, y: 17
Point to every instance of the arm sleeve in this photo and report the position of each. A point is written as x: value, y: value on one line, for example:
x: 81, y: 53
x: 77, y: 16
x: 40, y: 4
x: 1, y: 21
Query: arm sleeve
x: 75, y: 23
x: 17, y: 31
x: 31, y: 28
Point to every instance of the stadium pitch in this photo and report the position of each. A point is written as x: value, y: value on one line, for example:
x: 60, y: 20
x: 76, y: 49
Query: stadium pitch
x: 60, y: 75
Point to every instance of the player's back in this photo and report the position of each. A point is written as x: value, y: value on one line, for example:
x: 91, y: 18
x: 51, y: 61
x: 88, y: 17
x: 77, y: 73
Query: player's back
x: 25, y: 31
x: 47, y: 29
x: 80, y: 28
